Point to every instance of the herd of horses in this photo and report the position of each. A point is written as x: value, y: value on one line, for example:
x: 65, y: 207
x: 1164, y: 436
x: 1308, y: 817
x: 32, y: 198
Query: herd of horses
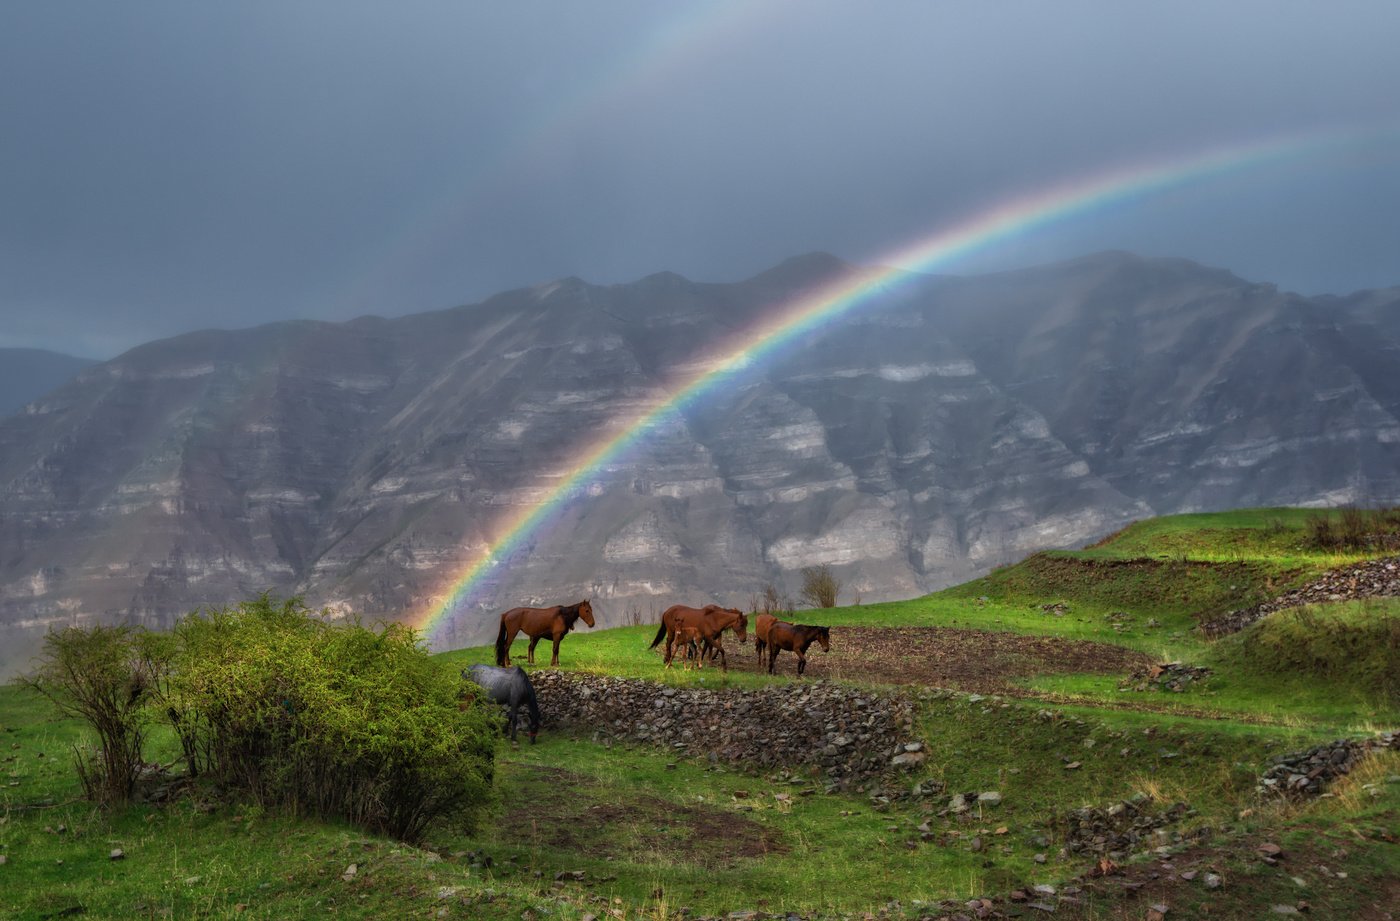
x: 695, y: 633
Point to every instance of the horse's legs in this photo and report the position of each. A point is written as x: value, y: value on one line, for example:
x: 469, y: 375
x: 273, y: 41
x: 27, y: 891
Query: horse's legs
x: 531, y: 657
x: 558, y: 638
x: 670, y: 638
x: 514, y: 709
x: 510, y: 638
x: 801, y: 662
x: 772, y: 658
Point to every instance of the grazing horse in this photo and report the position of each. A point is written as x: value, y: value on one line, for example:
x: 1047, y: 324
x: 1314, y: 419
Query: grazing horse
x: 797, y: 637
x: 537, y: 623
x: 710, y: 621
x: 761, y: 623
x: 511, y: 687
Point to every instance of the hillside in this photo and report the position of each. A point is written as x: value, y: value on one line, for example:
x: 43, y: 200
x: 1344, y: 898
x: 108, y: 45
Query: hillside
x: 998, y: 749
x: 27, y: 374
x: 949, y: 425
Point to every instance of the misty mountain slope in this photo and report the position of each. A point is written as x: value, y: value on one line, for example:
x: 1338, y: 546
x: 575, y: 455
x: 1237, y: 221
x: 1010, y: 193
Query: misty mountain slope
x: 1172, y: 392
x: 948, y: 425
x: 27, y: 374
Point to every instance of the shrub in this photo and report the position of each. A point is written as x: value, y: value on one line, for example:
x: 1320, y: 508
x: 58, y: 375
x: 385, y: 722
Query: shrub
x: 819, y: 587
x: 334, y: 720
x: 1354, y: 529
x: 95, y: 675
x: 771, y: 601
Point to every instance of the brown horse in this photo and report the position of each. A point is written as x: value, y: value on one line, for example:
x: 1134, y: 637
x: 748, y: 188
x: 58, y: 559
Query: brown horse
x: 797, y: 637
x: 692, y: 640
x: 710, y: 621
x: 761, y: 623
x: 537, y: 623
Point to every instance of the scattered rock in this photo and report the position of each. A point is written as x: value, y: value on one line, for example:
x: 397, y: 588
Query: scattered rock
x: 1307, y: 773
x: 1169, y: 676
x: 1368, y: 579
x: 117, y: 854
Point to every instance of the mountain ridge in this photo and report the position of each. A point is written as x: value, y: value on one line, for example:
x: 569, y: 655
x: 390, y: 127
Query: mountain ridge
x: 950, y: 424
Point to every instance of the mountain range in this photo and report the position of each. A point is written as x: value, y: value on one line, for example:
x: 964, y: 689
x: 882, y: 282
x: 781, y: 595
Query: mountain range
x: 947, y: 425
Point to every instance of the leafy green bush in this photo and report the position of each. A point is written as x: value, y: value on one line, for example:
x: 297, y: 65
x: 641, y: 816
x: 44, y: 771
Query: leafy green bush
x: 329, y: 719
x: 95, y: 675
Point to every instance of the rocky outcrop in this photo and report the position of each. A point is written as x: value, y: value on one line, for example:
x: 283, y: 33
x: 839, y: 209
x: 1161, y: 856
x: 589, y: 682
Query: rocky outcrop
x: 846, y: 734
x: 1378, y: 578
x: 1308, y: 773
x: 1169, y: 676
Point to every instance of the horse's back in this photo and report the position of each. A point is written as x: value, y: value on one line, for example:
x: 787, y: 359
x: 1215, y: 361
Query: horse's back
x: 782, y: 633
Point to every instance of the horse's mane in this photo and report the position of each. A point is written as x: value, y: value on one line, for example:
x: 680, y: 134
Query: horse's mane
x: 570, y: 612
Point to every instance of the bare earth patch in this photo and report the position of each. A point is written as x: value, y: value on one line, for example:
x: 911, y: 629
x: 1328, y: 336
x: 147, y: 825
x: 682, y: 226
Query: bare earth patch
x: 568, y: 811
x: 968, y: 660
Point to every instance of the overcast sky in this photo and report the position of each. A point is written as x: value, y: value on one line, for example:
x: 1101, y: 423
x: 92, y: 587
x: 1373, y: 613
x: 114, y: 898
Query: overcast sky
x: 174, y: 166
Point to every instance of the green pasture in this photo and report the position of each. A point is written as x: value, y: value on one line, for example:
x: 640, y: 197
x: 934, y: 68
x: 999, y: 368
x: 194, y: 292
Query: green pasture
x: 579, y: 827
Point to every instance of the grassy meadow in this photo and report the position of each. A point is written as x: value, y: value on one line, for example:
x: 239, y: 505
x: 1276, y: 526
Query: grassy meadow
x: 582, y: 826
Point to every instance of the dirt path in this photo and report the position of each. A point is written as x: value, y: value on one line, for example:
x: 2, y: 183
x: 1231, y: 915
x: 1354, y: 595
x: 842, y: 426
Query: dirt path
x: 969, y: 660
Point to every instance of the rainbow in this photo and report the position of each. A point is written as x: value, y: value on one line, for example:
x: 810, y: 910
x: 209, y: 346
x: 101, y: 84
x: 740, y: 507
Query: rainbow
x: 810, y: 310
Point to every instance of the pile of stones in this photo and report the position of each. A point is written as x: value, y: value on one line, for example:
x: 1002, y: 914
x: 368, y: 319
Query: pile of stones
x: 1170, y: 676
x: 849, y: 735
x: 1303, y: 774
x: 1122, y: 828
x: 1367, y: 579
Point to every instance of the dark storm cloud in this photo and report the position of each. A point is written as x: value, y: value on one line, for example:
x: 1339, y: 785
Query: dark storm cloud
x: 165, y: 167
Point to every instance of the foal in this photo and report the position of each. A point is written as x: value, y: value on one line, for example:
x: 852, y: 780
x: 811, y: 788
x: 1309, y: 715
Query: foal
x: 796, y: 637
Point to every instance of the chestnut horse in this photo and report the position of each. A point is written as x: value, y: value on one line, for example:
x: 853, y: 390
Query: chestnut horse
x: 761, y: 623
x: 797, y: 637
x: 537, y: 623
x: 692, y: 640
x: 710, y: 621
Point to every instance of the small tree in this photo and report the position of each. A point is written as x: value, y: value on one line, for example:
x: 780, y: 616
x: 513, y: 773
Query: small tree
x: 819, y: 587
x: 95, y: 675
x: 772, y: 601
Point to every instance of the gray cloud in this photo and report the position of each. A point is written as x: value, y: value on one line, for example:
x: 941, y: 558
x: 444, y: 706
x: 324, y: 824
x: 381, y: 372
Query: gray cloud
x: 167, y: 166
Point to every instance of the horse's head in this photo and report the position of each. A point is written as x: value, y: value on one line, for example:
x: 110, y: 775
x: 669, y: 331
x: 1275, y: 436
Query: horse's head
x: 741, y: 623
x: 585, y: 611
x: 824, y: 637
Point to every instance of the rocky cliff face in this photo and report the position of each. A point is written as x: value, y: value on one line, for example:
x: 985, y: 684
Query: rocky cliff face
x: 953, y: 425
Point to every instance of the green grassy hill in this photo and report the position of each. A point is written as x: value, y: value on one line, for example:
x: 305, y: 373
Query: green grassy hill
x: 1018, y: 680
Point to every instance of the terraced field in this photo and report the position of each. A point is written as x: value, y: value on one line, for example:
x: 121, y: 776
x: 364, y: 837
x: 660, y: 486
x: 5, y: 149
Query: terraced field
x: 998, y: 749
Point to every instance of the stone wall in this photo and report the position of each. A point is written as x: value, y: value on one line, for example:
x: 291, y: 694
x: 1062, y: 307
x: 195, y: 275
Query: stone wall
x: 847, y: 734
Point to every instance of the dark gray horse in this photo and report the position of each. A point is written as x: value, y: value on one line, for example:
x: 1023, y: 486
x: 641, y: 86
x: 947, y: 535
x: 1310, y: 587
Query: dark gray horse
x: 508, y: 686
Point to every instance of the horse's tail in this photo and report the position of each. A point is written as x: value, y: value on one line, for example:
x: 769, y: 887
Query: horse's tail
x: 501, y: 644
x: 660, y: 635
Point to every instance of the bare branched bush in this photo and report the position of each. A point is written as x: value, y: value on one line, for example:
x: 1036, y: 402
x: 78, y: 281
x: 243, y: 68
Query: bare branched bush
x: 95, y: 675
x: 772, y: 601
x: 1352, y: 528
x: 820, y: 587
